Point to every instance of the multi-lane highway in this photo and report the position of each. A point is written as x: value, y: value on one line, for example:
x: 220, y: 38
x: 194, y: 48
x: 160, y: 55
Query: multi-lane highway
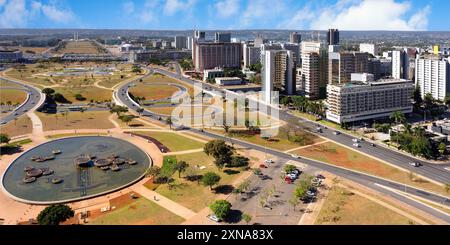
x: 33, y: 101
x: 370, y: 181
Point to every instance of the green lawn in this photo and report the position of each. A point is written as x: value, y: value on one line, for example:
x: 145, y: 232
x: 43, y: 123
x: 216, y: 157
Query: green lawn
x: 193, y: 195
x: 140, y: 212
x: 174, y: 141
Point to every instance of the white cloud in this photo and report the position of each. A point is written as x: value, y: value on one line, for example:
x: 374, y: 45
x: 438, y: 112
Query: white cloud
x: 227, y: 8
x: 370, y: 15
x: 173, y: 6
x: 57, y: 15
x: 262, y: 12
x: 128, y: 7
x: 18, y: 13
x: 149, y: 11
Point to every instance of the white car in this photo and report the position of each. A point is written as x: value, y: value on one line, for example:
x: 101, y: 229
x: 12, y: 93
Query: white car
x: 269, y: 161
x: 414, y: 164
x: 357, y: 145
x: 295, y: 156
x: 213, y: 217
x: 355, y: 140
x: 2, y: 122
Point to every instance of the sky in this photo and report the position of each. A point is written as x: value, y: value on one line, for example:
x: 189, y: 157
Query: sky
x: 400, y: 15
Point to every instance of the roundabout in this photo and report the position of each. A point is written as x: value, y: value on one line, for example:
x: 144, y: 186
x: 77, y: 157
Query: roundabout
x: 85, y: 167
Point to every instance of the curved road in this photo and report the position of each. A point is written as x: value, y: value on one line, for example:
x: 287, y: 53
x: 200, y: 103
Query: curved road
x: 34, y: 100
x: 372, y: 182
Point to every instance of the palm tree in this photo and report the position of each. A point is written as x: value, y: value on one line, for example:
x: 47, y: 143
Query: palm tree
x: 397, y: 117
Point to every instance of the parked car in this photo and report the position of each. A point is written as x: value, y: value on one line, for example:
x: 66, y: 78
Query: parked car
x: 262, y: 166
x: 355, y: 140
x: 268, y: 161
x: 214, y: 218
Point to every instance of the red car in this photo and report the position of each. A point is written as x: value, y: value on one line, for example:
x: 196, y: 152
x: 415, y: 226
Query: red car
x: 262, y: 166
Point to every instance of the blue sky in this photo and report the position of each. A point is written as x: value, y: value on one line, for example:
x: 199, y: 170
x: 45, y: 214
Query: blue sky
x: 227, y: 14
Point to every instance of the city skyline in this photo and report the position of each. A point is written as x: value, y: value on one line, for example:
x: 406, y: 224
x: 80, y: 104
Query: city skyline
x: 404, y: 15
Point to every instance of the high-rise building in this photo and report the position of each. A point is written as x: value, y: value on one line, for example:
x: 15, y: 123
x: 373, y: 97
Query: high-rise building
x: 180, y: 42
x: 269, y: 46
x: 259, y: 41
x: 400, y: 64
x: 251, y: 54
x: 295, y: 48
x: 222, y: 37
x: 208, y: 55
x: 278, y: 73
x: 368, y: 48
x: 295, y: 37
x: 359, y: 101
x: 189, y: 42
x: 311, y: 74
x: 433, y: 76
x: 342, y: 65
x: 199, y: 35
x: 314, y: 86
x: 333, y: 37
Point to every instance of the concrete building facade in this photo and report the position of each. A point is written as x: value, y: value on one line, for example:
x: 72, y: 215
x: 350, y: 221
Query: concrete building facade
x: 212, y: 55
x: 433, y: 76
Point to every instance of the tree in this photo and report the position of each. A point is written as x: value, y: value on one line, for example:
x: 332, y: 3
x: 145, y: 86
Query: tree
x: 4, y: 138
x: 79, y: 97
x: 246, y: 218
x: 221, y: 152
x: 226, y: 127
x: 126, y: 118
x: 417, y: 97
x: 118, y: 109
x: 442, y: 148
x: 48, y: 91
x: 289, y: 168
x: 154, y: 171
x: 398, y: 117
x: 447, y: 187
x: 55, y: 214
x: 140, y: 111
x: 169, y: 122
x: 181, y: 167
x: 294, y: 201
x: 220, y: 208
x: 210, y: 179
x: 300, y: 192
x: 243, y: 187
x: 238, y: 161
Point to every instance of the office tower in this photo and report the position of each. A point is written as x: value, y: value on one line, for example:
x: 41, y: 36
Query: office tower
x: 189, y: 42
x: 221, y: 37
x: 295, y: 37
x: 374, y: 67
x: 199, y: 35
x: 311, y: 74
x: 342, y: 65
x: 259, y: 41
x: 295, y: 48
x: 368, y: 48
x: 400, y: 64
x: 333, y: 37
x: 368, y: 100
x: 210, y: 55
x: 180, y: 42
x: 252, y: 55
x: 278, y: 73
x: 269, y: 46
x: 315, y: 87
x: 433, y: 76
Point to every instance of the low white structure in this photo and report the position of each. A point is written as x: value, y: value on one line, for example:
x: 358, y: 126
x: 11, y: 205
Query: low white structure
x: 227, y: 81
x: 212, y: 73
x: 362, y: 77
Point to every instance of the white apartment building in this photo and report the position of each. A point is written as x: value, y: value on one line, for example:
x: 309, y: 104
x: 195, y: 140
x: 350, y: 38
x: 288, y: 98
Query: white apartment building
x: 368, y: 48
x: 311, y: 74
x: 278, y: 73
x: 252, y: 54
x: 180, y: 42
x: 357, y: 101
x: 433, y: 77
x: 400, y: 64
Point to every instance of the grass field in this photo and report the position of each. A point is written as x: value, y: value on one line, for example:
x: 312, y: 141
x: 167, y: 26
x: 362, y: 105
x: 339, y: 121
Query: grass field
x: 80, y: 47
x: 4, y: 83
x: 90, y: 93
x: 345, y: 208
x: 139, y: 212
x: 159, y: 78
x: 192, y: 194
x: 153, y: 92
x: 18, y: 127
x: 13, y: 96
x: 174, y: 141
x: 76, y: 120
x: 341, y: 156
